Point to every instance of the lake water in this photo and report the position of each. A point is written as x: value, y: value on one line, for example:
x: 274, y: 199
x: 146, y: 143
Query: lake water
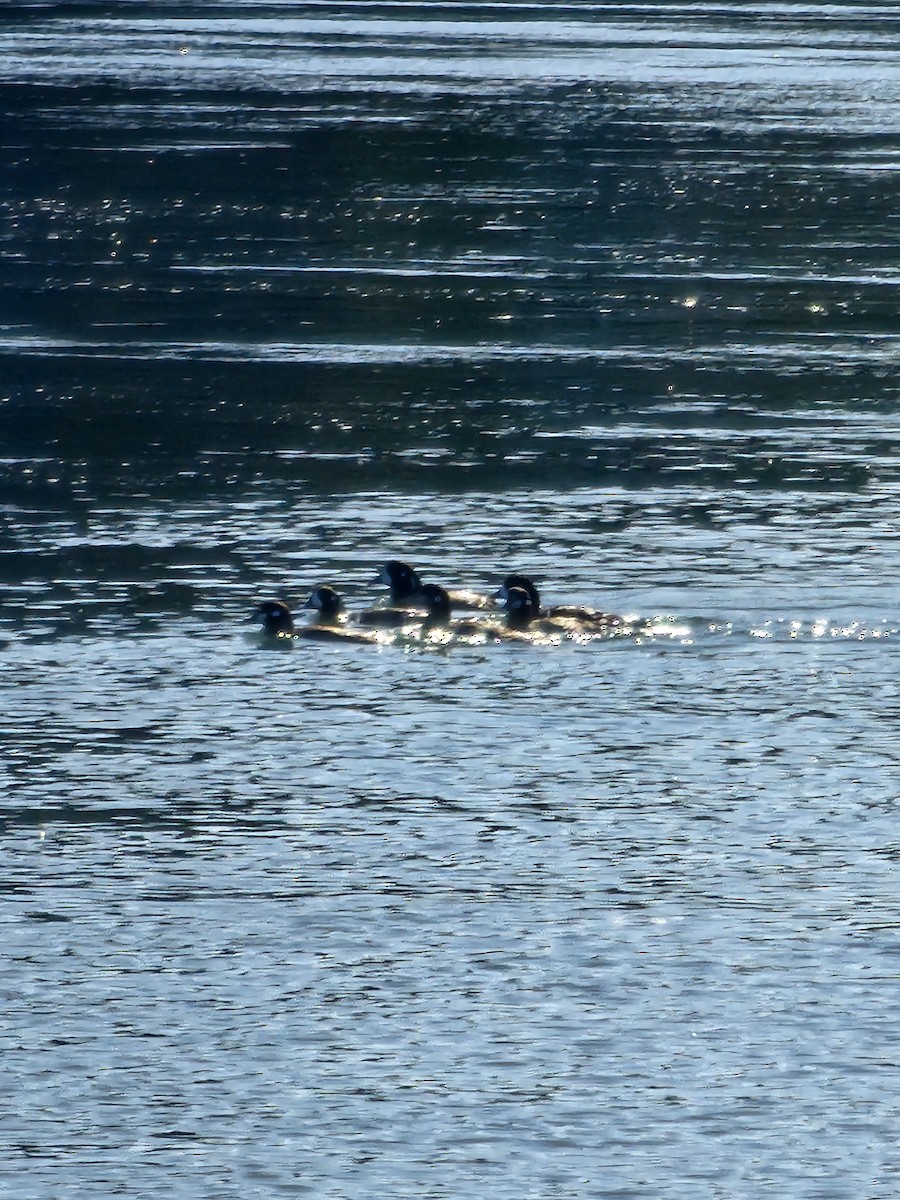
x: 603, y: 293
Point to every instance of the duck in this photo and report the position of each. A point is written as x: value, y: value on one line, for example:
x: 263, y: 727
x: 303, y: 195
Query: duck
x: 437, y: 600
x: 523, y: 616
x: 332, y: 616
x: 592, y: 620
x: 328, y: 604
x: 277, y: 621
x: 406, y: 587
x: 392, y: 616
x: 275, y: 618
x: 438, y: 604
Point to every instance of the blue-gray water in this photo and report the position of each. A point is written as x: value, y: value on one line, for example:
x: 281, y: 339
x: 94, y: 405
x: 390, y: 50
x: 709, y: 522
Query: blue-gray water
x: 605, y: 293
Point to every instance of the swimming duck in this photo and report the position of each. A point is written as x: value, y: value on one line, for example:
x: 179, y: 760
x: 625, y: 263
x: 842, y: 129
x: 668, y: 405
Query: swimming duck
x: 391, y: 616
x: 593, y: 620
x: 437, y: 602
x: 328, y: 604
x: 406, y: 587
x: 525, y: 617
x: 522, y: 614
x: 330, y: 621
x: 277, y: 621
x: 275, y: 618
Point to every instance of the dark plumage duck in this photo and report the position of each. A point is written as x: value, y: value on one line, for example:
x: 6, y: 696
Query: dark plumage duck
x: 592, y: 620
x: 275, y: 618
x: 328, y: 605
x: 406, y: 588
x: 469, y: 629
x: 331, y: 617
x: 394, y: 615
x: 438, y: 604
x: 278, y: 622
x: 525, y: 617
x: 402, y: 580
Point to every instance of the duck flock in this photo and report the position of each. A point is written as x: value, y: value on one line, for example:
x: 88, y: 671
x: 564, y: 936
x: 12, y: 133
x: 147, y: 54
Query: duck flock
x: 424, y: 612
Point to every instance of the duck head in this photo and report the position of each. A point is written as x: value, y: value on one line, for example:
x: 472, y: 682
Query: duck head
x: 522, y: 582
x: 275, y: 618
x: 326, y: 601
x: 401, y: 579
x: 520, y: 608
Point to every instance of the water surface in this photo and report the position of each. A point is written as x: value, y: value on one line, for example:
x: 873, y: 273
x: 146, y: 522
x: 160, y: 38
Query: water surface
x: 602, y: 293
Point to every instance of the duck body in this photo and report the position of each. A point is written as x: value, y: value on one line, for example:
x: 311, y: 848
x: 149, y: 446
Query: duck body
x: 278, y: 622
x: 338, y: 633
x: 406, y: 586
x: 390, y: 617
x: 436, y: 600
x: 523, y: 615
x: 330, y: 621
x: 329, y: 605
x: 590, y: 619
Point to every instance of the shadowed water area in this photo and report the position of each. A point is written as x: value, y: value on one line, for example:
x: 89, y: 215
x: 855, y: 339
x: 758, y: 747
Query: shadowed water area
x: 606, y: 294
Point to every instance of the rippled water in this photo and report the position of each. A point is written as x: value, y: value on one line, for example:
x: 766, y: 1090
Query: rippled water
x: 605, y: 293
